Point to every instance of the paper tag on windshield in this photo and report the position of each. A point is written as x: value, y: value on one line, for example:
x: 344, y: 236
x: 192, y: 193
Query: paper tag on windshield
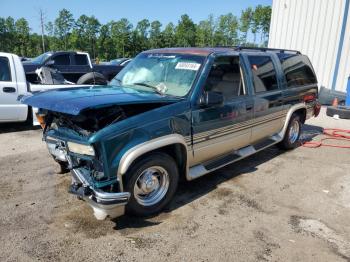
x: 188, y: 66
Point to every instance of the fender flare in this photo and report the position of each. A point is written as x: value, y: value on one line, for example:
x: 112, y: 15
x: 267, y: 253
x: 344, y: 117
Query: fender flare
x: 133, y: 153
x: 289, y: 115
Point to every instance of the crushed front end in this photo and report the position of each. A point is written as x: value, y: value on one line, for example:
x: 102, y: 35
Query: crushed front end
x: 68, y: 143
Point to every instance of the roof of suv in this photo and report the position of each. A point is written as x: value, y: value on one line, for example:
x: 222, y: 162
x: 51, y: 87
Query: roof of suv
x: 205, y: 51
x: 191, y: 50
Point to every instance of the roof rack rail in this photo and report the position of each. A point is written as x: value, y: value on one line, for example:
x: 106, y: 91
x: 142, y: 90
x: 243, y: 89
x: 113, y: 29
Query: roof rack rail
x: 264, y: 49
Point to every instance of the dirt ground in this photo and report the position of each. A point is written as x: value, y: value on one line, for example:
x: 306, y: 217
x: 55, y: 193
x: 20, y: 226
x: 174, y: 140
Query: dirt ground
x: 273, y: 206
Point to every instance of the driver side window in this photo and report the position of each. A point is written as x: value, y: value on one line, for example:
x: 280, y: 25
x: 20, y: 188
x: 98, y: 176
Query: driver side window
x: 5, y: 73
x: 225, y: 77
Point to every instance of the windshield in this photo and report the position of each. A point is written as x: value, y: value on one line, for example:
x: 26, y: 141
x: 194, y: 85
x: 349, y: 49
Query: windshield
x: 168, y: 74
x: 41, y: 58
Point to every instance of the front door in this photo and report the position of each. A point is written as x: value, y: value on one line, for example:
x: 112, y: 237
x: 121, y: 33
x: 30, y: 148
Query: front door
x: 221, y: 129
x: 10, y: 108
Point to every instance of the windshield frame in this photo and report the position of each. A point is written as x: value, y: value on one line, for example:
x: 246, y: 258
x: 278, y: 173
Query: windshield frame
x: 160, y: 53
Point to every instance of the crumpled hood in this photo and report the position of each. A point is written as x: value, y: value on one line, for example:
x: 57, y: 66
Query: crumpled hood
x: 74, y: 100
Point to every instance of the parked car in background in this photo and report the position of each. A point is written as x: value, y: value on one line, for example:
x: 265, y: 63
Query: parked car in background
x: 13, y: 84
x: 75, y: 67
x: 175, y: 113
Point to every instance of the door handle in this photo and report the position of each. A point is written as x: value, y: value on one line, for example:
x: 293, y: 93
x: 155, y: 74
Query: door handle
x: 9, y: 89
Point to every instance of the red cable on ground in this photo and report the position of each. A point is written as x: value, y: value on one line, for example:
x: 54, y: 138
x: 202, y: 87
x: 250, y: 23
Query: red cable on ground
x: 332, y: 134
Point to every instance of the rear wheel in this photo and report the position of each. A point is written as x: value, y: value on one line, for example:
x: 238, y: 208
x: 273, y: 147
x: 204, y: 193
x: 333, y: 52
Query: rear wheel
x: 291, y: 137
x: 152, y: 182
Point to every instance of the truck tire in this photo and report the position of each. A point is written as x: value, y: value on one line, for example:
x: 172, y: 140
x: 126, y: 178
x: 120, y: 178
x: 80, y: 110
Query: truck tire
x: 342, y: 111
x: 29, y: 120
x: 152, y: 182
x: 291, y: 137
x: 92, y: 78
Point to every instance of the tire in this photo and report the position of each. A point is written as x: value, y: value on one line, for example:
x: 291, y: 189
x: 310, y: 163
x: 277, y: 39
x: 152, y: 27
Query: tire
x: 92, y: 78
x: 291, y: 137
x: 158, y: 168
x: 342, y: 111
x: 29, y: 120
x: 62, y: 166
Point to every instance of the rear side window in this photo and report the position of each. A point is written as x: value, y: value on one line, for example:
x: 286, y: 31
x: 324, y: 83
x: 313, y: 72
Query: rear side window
x: 81, y: 59
x: 5, y: 73
x: 62, y: 59
x: 297, y: 70
x: 264, y: 73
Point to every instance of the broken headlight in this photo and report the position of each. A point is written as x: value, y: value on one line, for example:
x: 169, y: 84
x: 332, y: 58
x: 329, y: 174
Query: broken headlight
x: 81, y: 149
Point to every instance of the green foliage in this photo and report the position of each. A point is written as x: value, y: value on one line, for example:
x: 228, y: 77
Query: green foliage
x: 155, y: 34
x: 185, y: 32
x: 169, y: 35
x: 245, y: 23
x: 22, y: 36
x: 205, y: 32
x: 63, y: 26
x: 121, y: 39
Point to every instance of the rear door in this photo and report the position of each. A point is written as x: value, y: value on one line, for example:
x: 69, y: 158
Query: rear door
x: 269, y: 113
x: 299, y: 79
x: 221, y: 129
x: 10, y: 108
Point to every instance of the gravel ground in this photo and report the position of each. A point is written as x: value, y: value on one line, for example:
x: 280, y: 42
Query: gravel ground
x: 273, y: 206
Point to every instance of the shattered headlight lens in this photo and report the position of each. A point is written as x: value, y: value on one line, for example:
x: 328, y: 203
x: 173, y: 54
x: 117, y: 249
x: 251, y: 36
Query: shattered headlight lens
x: 81, y: 149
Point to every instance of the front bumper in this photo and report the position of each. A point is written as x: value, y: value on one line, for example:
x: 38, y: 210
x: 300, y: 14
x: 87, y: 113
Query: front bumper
x: 104, y: 204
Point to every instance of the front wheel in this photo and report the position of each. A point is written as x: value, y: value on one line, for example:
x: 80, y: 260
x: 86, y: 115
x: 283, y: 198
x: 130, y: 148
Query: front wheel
x: 291, y: 137
x: 152, y: 182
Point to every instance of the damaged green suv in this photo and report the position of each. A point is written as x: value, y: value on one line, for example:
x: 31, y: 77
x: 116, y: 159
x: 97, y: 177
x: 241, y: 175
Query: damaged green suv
x: 172, y: 113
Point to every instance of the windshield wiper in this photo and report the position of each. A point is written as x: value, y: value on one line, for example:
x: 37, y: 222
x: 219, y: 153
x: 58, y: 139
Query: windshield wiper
x: 150, y: 86
x: 117, y: 80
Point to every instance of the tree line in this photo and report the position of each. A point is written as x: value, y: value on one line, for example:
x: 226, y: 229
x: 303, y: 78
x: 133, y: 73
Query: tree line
x: 122, y: 39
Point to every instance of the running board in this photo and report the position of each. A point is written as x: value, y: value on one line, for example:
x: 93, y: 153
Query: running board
x: 224, y: 160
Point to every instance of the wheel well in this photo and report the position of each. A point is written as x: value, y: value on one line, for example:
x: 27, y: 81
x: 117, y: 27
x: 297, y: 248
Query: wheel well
x: 177, y: 151
x: 301, y: 113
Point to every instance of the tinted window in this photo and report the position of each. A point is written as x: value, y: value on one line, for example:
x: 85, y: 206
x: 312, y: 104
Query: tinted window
x: 297, y: 69
x: 81, y: 59
x: 225, y: 77
x: 62, y: 59
x: 5, y: 73
x: 264, y: 74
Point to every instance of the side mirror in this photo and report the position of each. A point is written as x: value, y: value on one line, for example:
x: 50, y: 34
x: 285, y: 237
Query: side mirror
x: 50, y: 62
x: 211, y: 98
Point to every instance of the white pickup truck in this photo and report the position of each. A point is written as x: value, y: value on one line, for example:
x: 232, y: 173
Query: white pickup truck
x: 13, y: 83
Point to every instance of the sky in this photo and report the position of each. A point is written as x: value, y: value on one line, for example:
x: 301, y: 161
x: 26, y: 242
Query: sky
x: 134, y: 10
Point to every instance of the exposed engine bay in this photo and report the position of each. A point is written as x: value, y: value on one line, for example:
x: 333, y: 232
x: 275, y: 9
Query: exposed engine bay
x: 91, y: 120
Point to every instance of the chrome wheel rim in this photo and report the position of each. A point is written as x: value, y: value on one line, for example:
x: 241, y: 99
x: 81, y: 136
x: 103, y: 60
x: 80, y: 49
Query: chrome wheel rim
x: 151, y: 186
x: 294, y: 132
